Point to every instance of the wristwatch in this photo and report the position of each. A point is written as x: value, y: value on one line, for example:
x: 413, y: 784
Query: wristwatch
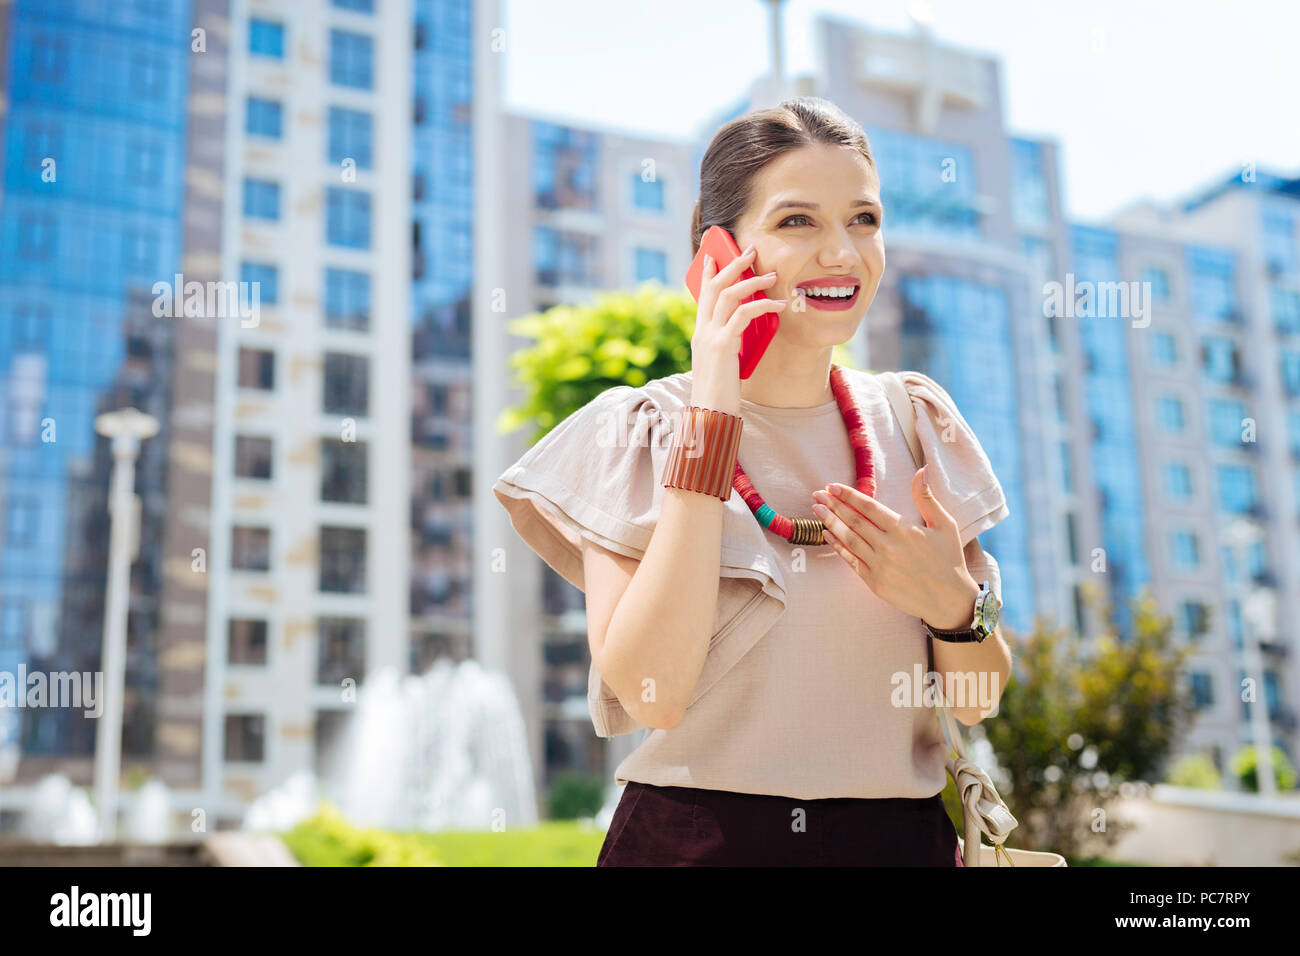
x: 985, y: 620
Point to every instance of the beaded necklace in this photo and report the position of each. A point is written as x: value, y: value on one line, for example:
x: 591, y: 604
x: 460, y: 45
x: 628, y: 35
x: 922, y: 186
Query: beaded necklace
x: 809, y: 530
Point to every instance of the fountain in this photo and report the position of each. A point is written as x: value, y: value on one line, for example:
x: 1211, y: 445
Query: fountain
x: 149, y: 815
x: 60, y: 814
x: 443, y: 750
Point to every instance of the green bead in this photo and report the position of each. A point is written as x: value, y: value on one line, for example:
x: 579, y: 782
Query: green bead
x: 765, y: 514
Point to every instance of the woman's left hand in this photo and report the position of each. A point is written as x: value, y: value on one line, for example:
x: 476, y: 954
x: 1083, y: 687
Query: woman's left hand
x: 919, y: 569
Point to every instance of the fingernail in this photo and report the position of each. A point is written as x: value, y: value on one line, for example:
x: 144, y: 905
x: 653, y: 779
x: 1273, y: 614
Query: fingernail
x: 820, y: 511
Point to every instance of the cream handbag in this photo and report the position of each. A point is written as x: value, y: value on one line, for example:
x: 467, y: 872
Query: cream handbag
x: 983, y: 811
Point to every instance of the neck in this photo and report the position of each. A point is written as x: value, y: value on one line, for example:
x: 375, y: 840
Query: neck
x: 786, y: 380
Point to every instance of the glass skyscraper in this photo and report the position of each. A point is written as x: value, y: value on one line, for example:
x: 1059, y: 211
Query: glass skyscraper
x: 94, y: 156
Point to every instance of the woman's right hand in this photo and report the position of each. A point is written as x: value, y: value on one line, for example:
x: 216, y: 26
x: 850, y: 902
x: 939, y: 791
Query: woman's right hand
x: 720, y: 321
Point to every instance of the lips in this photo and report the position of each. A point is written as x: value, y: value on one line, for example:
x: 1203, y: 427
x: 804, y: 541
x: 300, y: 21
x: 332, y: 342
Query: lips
x: 827, y: 293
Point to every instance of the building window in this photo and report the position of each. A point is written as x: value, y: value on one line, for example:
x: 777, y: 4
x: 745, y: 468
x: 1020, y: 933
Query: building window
x: 1238, y: 493
x: 261, y: 199
x: 1171, y: 414
x: 1072, y: 536
x: 1293, y: 433
x: 264, y: 278
x: 647, y: 195
x: 49, y: 62
x: 347, y: 384
x: 1213, y: 296
x: 252, y: 457
x: 1285, y: 306
x: 343, y: 560
x: 360, y: 6
x: 350, y: 136
x: 245, y: 738
x: 256, y: 369
x: 347, y: 299
x: 1221, y: 360
x: 343, y: 471
x: 565, y: 258
x: 347, y: 219
x: 1178, y: 481
x: 266, y: 38
x: 250, y: 548
x: 1067, y: 468
x: 20, y: 522
x: 1159, y: 282
x: 565, y: 164
x: 264, y: 118
x: 36, y: 236
x: 246, y: 641
x: 1291, y: 372
x: 1195, y: 618
x: 1164, y: 349
x: 340, y: 650
x: 15, y: 622
x: 1202, y: 690
x: 1227, y: 422
x: 1186, y: 549
x: 651, y: 264
x: 351, y: 57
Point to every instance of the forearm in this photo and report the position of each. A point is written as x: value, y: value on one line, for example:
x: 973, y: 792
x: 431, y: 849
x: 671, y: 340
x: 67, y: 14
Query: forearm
x: 658, y: 636
x: 981, y: 670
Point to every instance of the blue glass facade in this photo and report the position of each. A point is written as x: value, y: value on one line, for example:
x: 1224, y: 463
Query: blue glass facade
x: 442, y: 178
x: 1030, y: 199
x: 927, y: 185
x: 94, y: 163
x: 958, y: 332
x: 1115, y: 452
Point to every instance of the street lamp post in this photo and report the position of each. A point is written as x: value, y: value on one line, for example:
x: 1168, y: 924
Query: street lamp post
x: 127, y: 428
x: 1252, y: 610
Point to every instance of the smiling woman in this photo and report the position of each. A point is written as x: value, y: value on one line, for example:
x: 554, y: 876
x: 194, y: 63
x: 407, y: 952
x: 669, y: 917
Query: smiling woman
x: 759, y: 636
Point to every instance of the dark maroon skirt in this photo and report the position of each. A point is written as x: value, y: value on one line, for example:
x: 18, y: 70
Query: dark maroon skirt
x: 690, y: 826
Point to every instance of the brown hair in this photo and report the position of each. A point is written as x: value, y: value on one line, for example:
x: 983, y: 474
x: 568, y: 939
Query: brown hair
x: 744, y: 146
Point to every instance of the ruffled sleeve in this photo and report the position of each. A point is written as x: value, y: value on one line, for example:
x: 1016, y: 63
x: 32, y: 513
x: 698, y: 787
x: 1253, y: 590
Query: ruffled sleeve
x: 592, y: 476
x: 959, y: 470
x: 596, y: 476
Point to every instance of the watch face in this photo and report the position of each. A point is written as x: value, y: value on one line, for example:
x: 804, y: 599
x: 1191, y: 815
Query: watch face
x: 989, y: 612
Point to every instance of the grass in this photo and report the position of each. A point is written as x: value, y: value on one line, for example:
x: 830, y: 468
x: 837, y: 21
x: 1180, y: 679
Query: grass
x: 326, y: 839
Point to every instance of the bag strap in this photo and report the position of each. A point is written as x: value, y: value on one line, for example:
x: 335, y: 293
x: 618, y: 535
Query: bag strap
x: 983, y: 810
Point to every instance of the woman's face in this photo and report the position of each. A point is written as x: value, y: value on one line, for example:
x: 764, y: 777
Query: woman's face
x: 815, y: 219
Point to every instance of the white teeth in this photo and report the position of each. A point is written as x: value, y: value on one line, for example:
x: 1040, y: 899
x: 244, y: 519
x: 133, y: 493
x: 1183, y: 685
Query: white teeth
x: 840, y: 292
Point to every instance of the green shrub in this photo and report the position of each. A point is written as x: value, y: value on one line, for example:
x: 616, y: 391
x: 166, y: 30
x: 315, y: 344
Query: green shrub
x: 1244, y: 765
x: 574, y: 795
x: 1197, y: 771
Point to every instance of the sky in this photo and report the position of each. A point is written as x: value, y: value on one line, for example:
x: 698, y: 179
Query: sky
x: 1148, y: 99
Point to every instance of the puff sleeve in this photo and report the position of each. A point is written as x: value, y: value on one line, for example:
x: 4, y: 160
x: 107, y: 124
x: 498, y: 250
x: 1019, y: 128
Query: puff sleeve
x: 592, y: 476
x: 960, y: 472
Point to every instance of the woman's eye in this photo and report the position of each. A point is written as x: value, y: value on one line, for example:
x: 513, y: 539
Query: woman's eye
x: 789, y: 220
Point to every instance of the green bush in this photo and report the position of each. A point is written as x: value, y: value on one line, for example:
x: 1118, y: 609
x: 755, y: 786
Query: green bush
x: 326, y: 839
x: 1197, y: 771
x: 574, y: 795
x: 579, y: 351
x: 1245, y: 764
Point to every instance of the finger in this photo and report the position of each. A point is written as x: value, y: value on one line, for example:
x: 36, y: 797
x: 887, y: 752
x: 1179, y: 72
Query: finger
x: 733, y: 269
x: 737, y: 292
x: 853, y: 520
x: 748, y: 311
x: 859, y: 565
x: 882, y: 517
x: 843, y: 531
x: 708, y: 294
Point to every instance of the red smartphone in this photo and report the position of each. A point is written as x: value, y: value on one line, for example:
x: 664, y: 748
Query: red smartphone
x: 721, y: 245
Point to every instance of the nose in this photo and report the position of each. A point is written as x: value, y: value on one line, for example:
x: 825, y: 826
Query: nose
x: 838, y: 250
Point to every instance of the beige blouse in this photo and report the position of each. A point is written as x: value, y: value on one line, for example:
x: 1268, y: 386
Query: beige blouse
x: 795, y: 697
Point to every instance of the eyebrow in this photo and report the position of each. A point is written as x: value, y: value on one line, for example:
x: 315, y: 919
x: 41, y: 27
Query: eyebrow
x: 795, y: 204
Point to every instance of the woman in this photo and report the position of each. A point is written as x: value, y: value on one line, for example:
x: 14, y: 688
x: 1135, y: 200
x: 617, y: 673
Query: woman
x: 766, y: 656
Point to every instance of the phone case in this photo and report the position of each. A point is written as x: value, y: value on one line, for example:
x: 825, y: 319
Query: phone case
x: 721, y: 245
